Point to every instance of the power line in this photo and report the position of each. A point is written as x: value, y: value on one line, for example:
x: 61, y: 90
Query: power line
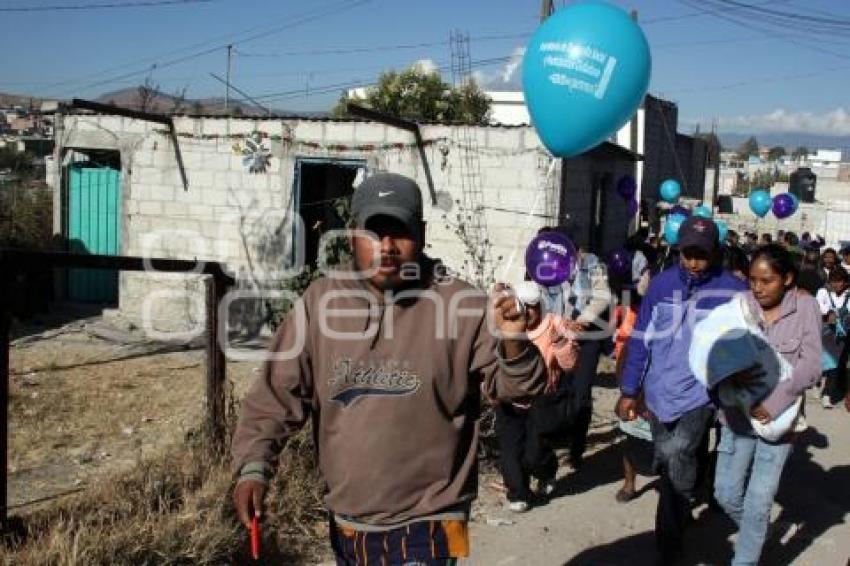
x: 772, y: 24
x: 242, y: 92
x: 103, y: 6
x: 306, y: 17
x: 355, y: 83
x: 697, y: 14
x: 342, y: 50
x: 227, y: 38
x: 771, y: 33
x: 791, y: 17
x: 368, y: 49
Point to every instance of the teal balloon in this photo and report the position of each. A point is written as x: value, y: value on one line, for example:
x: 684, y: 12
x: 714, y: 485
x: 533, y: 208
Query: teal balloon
x: 584, y: 74
x: 703, y: 211
x: 670, y: 191
x: 671, y: 228
x: 722, y: 230
x: 760, y: 202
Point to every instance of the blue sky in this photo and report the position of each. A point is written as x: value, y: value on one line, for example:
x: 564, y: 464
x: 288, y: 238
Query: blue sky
x: 729, y: 65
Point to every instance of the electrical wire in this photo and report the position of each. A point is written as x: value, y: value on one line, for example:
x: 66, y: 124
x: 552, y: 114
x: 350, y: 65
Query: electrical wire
x: 355, y: 83
x: 102, y: 6
x: 306, y: 17
x: 769, y: 32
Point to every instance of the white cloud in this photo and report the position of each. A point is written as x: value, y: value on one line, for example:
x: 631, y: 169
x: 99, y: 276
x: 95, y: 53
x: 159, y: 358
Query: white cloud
x: 426, y: 66
x: 506, y: 78
x: 835, y: 122
x: 513, y: 64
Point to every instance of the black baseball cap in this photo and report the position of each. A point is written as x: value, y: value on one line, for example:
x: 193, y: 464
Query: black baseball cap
x: 388, y: 194
x: 699, y: 232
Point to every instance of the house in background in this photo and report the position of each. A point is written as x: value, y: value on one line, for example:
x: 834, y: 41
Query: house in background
x: 652, y: 134
x: 259, y: 191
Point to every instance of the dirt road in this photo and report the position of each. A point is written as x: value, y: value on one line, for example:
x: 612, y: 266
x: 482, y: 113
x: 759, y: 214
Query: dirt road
x: 586, y: 526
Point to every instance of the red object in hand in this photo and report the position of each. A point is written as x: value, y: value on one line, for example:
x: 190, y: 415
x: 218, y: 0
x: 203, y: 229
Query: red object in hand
x: 255, y: 538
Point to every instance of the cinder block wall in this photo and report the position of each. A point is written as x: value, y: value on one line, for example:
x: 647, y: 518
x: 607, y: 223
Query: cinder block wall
x: 244, y: 219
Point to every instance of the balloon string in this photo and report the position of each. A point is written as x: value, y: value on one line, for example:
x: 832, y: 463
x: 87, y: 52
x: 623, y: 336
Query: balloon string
x: 530, y: 216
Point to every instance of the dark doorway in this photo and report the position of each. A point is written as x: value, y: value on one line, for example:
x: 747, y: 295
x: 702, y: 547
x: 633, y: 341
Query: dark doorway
x: 319, y: 184
x: 600, y: 190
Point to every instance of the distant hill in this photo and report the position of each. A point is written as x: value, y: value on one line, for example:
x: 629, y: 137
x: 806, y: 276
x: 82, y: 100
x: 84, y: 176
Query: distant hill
x: 25, y: 100
x: 161, y: 102
x: 169, y: 103
x: 789, y: 141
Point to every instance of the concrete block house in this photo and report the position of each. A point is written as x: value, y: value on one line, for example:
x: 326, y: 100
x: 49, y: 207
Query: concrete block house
x: 257, y: 193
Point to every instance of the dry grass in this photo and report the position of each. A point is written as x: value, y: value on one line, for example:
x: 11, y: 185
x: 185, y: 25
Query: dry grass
x: 154, y: 493
x: 175, y: 509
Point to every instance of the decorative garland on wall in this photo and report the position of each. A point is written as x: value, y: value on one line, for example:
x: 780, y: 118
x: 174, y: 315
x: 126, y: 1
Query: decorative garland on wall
x: 257, y: 136
x: 256, y: 153
x: 290, y: 139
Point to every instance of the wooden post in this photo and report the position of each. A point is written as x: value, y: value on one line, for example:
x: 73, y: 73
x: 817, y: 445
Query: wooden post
x: 216, y: 425
x: 7, y: 272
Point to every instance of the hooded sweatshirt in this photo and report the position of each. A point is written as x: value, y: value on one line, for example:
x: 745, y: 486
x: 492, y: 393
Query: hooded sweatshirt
x: 657, y: 355
x: 393, y: 389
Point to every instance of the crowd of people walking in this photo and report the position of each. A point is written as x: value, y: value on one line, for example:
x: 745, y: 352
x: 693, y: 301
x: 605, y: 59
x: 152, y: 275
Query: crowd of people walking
x: 392, y: 361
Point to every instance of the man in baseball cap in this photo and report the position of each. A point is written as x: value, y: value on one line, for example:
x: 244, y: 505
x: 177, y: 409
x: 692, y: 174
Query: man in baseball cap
x: 656, y: 367
x: 392, y: 195
x: 389, y: 206
x: 390, y: 379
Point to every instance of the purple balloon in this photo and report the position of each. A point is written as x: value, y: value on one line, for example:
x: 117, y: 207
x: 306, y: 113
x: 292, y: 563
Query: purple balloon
x: 632, y: 207
x: 620, y: 262
x: 627, y: 187
x: 783, y: 205
x: 550, y: 259
x: 679, y: 209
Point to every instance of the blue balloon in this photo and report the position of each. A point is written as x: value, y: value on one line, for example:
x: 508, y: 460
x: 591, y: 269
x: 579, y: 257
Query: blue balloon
x: 722, y: 229
x: 760, y: 202
x: 671, y: 228
x: 670, y: 191
x: 703, y: 211
x: 585, y: 72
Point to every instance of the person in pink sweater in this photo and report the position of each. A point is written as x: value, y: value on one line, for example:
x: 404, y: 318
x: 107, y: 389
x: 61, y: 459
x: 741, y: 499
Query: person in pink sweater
x: 525, y: 428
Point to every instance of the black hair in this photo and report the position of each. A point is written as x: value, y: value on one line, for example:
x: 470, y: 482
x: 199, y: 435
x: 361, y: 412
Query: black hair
x: 734, y: 259
x: 811, y: 258
x: 778, y: 258
x: 839, y: 274
x: 791, y: 239
x: 829, y: 251
x: 767, y: 237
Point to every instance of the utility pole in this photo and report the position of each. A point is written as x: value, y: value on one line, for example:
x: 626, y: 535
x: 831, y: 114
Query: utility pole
x: 546, y: 9
x: 227, y: 87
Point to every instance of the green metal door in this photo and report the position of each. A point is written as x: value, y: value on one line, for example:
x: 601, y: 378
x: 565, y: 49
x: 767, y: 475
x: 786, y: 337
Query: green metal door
x: 94, y: 196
